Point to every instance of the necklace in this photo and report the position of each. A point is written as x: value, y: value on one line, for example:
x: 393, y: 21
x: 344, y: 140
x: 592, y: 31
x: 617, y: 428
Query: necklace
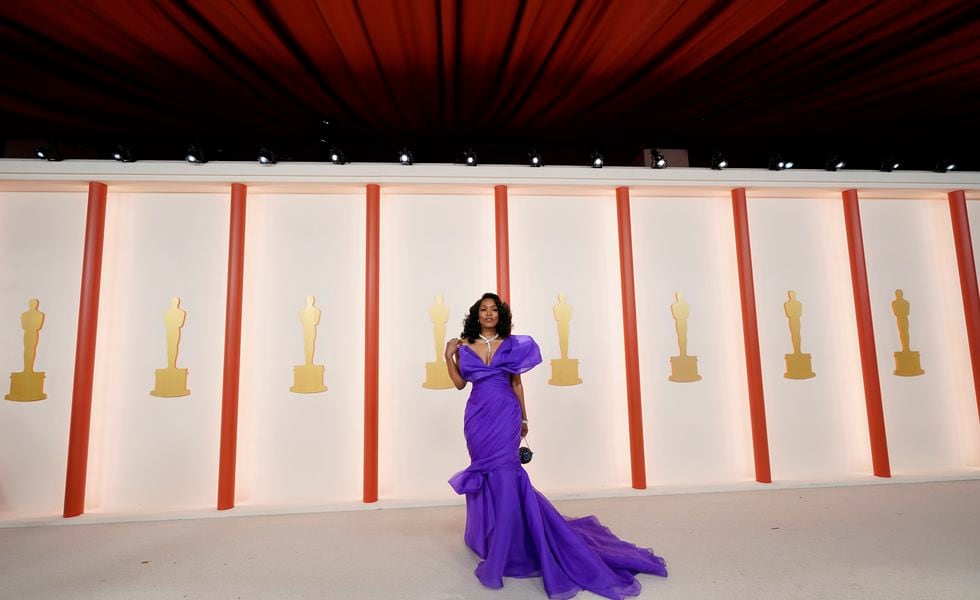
x: 488, y: 340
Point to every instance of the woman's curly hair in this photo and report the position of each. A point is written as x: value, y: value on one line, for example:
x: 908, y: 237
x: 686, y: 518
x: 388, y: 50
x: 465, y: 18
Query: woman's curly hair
x: 471, y: 324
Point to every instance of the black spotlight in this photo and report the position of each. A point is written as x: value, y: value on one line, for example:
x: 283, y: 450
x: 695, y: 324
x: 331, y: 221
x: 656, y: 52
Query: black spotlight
x: 597, y: 160
x: 718, y: 161
x: 943, y: 166
x: 49, y: 152
x: 833, y: 163
x: 778, y: 163
x: 889, y: 164
x: 469, y: 158
x: 195, y: 155
x: 405, y: 157
x: 267, y: 156
x: 337, y: 156
x: 657, y: 160
x: 534, y: 159
x: 122, y: 153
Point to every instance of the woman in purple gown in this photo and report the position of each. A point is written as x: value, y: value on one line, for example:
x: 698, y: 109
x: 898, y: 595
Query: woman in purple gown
x: 510, y: 525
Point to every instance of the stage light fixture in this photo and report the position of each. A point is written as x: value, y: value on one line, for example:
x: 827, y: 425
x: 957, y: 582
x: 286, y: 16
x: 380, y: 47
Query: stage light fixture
x: 405, y: 157
x: 657, y: 160
x: 49, y: 152
x: 337, y: 156
x: 534, y: 159
x: 469, y: 158
x: 267, y: 156
x: 833, y: 163
x: 945, y: 165
x: 122, y: 153
x: 778, y: 163
x: 718, y: 161
x: 597, y: 160
x: 889, y: 164
x: 195, y: 155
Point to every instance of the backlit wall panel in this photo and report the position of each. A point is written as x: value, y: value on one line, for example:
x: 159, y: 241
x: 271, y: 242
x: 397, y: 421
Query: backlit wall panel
x: 167, y: 235
x: 817, y: 427
x: 430, y: 244
x: 973, y: 441
x: 694, y: 432
x: 149, y: 453
x: 41, y: 238
x: 569, y: 244
x: 931, y: 419
x: 302, y: 448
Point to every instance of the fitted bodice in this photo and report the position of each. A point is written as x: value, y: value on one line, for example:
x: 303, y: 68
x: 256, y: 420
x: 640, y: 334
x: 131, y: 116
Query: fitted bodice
x: 516, y: 354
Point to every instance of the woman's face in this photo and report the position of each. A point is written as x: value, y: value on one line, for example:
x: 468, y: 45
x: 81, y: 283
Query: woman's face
x: 488, y: 314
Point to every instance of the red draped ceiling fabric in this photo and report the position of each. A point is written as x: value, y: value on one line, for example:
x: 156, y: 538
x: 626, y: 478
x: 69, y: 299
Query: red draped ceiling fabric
x: 725, y: 67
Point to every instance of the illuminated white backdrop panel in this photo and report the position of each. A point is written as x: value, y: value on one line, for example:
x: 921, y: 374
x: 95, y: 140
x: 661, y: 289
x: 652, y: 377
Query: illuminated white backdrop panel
x: 569, y: 244
x: 697, y: 432
x: 967, y: 427
x: 150, y: 453
x: 302, y: 448
x: 430, y: 244
x: 930, y: 420
x: 41, y: 238
x: 817, y: 427
x: 167, y: 236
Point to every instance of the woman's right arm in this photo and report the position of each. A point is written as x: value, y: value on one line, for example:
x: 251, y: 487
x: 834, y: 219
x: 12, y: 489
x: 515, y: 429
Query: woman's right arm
x: 452, y: 354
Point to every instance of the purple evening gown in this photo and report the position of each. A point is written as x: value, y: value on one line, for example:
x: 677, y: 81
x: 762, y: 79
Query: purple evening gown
x: 509, y: 524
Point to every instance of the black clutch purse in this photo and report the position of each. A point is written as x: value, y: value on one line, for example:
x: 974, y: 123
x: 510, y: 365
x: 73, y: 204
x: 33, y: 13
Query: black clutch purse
x: 525, y: 453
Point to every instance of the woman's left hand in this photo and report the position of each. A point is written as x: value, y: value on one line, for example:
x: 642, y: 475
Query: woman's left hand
x: 523, y: 429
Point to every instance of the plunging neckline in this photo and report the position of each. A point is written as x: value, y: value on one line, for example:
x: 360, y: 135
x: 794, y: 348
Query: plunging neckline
x: 487, y: 364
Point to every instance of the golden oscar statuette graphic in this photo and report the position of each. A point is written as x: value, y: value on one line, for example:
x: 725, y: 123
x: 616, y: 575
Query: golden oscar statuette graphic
x: 906, y: 361
x: 172, y: 382
x: 308, y: 377
x: 564, y: 370
x: 798, y: 365
x: 28, y: 385
x: 436, y: 372
x: 683, y: 368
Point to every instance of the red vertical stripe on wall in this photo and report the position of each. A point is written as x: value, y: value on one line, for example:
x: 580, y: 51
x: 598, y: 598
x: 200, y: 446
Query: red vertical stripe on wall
x: 371, y: 329
x: 750, y: 331
x: 968, y: 281
x: 866, y: 334
x: 503, y: 246
x: 88, y: 321
x: 233, y: 349
x: 634, y: 404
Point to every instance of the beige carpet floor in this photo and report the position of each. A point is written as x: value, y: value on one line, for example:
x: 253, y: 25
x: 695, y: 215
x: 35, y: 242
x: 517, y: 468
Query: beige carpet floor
x: 914, y: 541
